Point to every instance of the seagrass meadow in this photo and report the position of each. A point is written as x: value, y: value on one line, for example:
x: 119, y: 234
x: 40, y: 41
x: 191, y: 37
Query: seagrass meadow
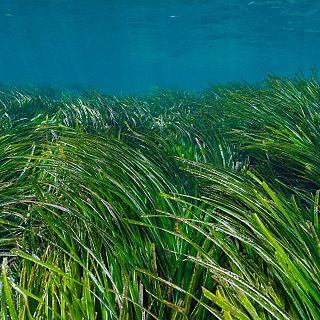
x: 170, y: 205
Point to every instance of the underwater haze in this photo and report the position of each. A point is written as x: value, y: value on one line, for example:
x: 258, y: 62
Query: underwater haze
x: 127, y: 45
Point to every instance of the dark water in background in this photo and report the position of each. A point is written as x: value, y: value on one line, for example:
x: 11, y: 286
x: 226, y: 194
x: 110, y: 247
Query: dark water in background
x: 133, y: 45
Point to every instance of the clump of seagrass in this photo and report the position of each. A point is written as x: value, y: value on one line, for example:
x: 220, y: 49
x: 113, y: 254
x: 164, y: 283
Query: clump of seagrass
x: 172, y: 205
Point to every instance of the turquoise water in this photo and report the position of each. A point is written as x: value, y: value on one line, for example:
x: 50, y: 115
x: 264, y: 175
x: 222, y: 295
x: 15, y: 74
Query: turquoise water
x: 134, y: 45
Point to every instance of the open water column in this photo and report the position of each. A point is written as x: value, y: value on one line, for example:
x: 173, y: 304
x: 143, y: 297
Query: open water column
x: 132, y: 45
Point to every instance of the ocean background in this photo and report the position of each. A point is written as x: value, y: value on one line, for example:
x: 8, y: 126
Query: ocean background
x: 132, y: 46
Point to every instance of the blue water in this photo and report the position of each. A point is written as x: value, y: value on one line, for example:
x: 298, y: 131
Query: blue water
x: 122, y: 45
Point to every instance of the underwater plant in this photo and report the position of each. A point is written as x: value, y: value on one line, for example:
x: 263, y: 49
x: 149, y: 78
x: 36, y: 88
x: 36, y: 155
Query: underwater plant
x: 172, y: 205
